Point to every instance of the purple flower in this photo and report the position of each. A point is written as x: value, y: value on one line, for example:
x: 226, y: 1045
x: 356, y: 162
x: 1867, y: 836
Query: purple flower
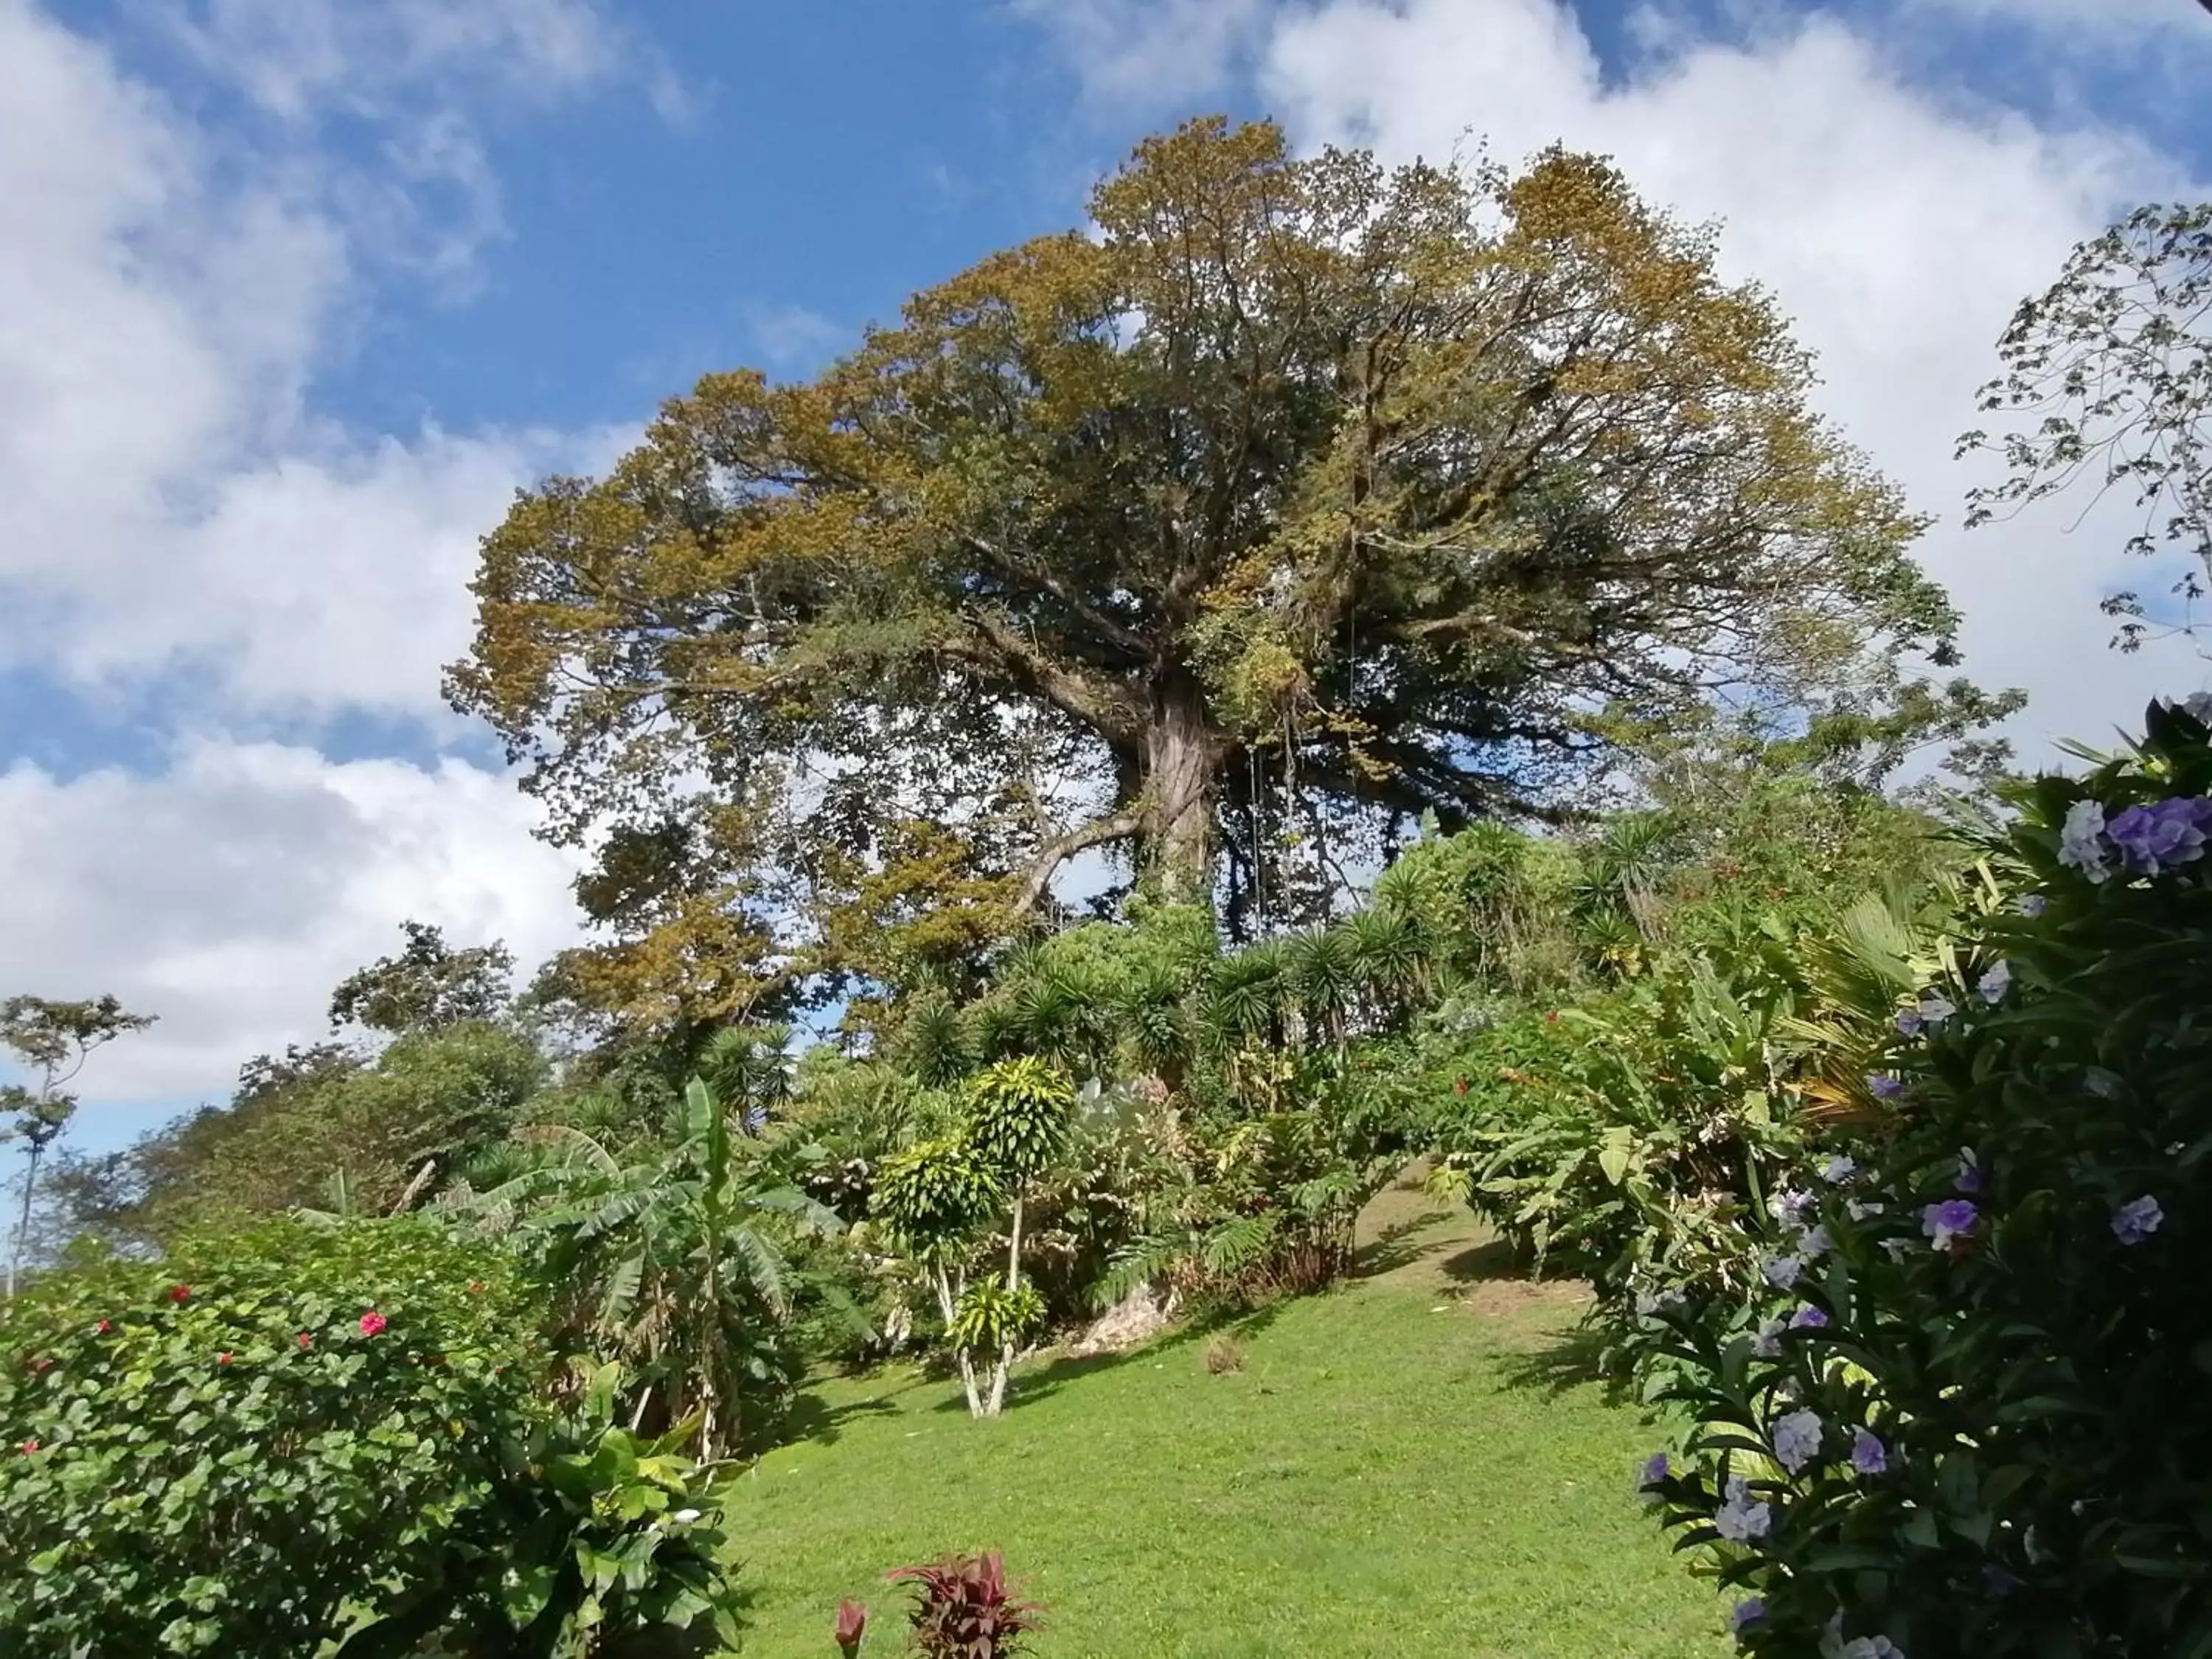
x: 1656, y: 1470
x: 1882, y: 1087
x: 1839, y: 1169
x: 1813, y: 1244
x: 1798, y: 1439
x: 2033, y: 904
x: 1868, y: 1454
x: 2136, y: 1220
x: 1969, y: 1172
x: 1808, y: 1318
x: 1767, y: 1345
x: 1935, y: 1008
x: 1789, y: 1206
x: 1910, y: 1022
x: 1741, y: 1518
x: 1744, y: 1613
x: 1944, y: 1222
x: 2081, y: 839
x: 1998, y: 1581
x: 1996, y: 983
x: 1782, y: 1271
x: 2155, y: 838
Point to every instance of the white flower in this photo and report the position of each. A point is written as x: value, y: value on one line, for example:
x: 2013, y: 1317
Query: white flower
x: 1812, y: 1243
x: 1935, y: 1008
x: 1798, y: 1439
x: 1767, y: 1345
x: 1896, y: 1247
x: 1860, y: 1208
x: 1788, y: 1205
x: 1995, y: 983
x: 2081, y: 839
x: 1839, y: 1169
x: 684, y: 1517
x: 1741, y: 1519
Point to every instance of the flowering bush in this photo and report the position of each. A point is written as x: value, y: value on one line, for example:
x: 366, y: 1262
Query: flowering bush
x: 268, y: 1440
x: 1968, y: 1415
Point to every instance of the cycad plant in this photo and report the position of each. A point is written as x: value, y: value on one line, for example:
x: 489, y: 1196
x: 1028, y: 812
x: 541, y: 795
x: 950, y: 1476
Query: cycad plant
x: 667, y: 1261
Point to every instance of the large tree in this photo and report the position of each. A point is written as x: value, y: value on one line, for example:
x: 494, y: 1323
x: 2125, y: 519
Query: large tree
x: 1295, y: 495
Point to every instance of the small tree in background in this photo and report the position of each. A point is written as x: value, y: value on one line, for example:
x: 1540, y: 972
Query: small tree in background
x: 54, y: 1039
x: 1019, y: 1112
x: 933, y: 1199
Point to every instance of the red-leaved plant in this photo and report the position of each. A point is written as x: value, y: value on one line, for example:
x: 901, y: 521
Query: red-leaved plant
x: 851, y: 1625
x: 963, y: 1610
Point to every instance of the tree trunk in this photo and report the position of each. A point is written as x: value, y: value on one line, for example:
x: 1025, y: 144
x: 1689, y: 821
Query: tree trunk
x: 23, y: 1221
x: 948, y: 1299
x: 1183, y: 748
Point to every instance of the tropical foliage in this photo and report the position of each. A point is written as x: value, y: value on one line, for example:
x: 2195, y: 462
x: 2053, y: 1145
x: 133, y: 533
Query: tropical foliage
x: 1966, y: 1421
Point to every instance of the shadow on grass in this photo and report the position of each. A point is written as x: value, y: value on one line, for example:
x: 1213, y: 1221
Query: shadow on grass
x: 1571, y: 1360
x: 809, y: 1417
x: 1492, y: 1259
x: 1398, y: 1245
x: 1027, y: 1386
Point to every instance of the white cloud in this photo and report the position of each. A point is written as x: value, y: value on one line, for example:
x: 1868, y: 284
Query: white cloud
x: 167, y: 502
x: 230, y: 893
x: 1149, y: 53
x: 792, y: 337
x: 1897, y: 222
x: 297, y: 58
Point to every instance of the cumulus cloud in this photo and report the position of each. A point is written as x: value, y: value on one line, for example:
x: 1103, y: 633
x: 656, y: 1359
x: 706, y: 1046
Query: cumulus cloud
x: 168, y: 500
x: 1898, y: 221
x: 229, y: 893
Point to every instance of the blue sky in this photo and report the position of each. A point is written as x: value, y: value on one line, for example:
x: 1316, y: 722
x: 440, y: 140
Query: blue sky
x: 296, y: 293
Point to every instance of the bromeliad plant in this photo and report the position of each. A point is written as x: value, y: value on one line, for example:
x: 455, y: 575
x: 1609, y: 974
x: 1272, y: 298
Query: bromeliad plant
x: 1967, y: 1417
x: 964, y: 1609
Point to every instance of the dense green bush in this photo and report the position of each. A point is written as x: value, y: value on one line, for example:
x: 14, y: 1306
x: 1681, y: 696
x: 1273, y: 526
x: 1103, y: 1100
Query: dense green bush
x: 269, y: 1438
x: 1968, y: 1418
x: 230, y: 1449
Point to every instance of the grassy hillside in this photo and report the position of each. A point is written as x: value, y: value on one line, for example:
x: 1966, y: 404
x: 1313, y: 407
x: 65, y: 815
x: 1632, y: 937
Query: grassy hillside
x: 1401, y: 1468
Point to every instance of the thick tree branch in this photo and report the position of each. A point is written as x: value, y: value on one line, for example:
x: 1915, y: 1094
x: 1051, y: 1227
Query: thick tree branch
x: 1099, y: 831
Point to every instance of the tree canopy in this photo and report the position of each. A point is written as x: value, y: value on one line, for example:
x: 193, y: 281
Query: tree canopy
x: 1295, y: 499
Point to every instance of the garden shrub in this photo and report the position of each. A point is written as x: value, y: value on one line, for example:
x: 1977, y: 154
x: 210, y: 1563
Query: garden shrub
x: 1970, y: 1418
x: 269, y: 1437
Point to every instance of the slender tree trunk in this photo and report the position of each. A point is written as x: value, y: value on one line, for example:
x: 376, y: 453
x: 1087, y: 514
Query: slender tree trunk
x: 948, y: 1299
x: 23, y: 1218
x: 1005, y: 1365
x: 1183, y: 748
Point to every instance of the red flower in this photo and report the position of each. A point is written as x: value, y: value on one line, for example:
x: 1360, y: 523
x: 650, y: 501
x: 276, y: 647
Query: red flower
x: 40, y: 1364
x: 852, y: 1623
x: 223, y: 1359
x: 1552, y: 1018
x: 476, y: 1287
x: 29, y: 1446
x: 1462, y: 1085
x: 305, y: 1342
x: 102, y: 1329
x: 372, y: 1322
x: 180, y: 1292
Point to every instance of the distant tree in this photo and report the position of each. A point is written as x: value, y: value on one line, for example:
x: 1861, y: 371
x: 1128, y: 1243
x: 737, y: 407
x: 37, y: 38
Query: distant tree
x: 2112, y: 364
x: 267, y: 1073
x: 1302, y: 498
x: 53, y: 1039
x: 427, y: 985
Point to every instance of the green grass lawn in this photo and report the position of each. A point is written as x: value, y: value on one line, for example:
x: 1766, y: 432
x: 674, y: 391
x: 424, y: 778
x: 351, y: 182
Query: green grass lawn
x: 1400, y: 1467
